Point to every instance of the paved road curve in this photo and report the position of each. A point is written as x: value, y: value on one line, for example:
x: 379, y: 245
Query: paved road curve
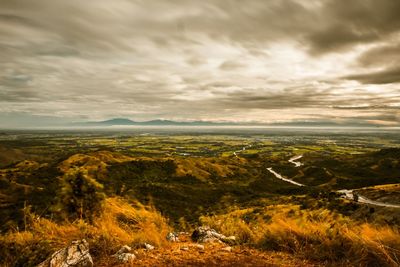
x: 348, y: 194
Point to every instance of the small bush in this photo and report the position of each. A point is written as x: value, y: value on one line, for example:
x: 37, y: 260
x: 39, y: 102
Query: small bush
x: 80, y: 196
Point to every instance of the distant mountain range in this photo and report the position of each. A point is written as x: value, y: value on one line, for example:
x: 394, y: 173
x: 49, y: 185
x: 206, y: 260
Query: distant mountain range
x: 128, y: 122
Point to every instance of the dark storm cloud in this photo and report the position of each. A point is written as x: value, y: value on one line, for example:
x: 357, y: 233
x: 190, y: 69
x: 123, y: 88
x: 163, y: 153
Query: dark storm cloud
x: 347, y: 23
x: 390, y: 75
x: 324, y: 26
x: 101, y: 26
x: 384, y: 55
x: 263, y: 99
x: 336, y: 38
x: 301, y: 97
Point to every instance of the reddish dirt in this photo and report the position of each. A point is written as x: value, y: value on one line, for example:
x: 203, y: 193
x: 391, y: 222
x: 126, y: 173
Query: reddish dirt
x: 212, y: 255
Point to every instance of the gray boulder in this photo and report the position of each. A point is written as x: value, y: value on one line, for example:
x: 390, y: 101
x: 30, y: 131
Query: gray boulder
x: 124, y: 256
x: 148, y: 246
x: 173, y: 237
x: 76, y: 254
x: 145, y: 246
x: 205, y: 234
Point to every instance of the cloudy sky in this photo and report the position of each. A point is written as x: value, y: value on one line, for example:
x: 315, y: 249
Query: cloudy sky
x: 257, y: 60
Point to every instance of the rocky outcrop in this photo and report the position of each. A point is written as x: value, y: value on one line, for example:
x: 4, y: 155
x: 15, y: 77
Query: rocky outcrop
x: 205, y: 234
x: 173, y: 237
x: 76, y: 254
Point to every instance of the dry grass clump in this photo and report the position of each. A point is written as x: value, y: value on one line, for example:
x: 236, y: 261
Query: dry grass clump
x: 119, y: 223
x: 233, y: 223
x: 318, y: 235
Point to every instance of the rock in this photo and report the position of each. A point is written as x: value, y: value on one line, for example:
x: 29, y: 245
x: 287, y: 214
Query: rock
x: 124, y: 249
x: 185, y: 248
x: 230, y: 240
x: 198, y: 246
x: 172, y: 237
x: 124, y: 256
x: 205, y: 234
x: 227, y: 249
x: 148, y: 246
x: 76, y: 254
x: 183, y: 233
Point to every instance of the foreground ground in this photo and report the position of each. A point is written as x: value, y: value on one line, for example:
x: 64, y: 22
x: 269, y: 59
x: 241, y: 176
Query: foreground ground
x: 213, y: 255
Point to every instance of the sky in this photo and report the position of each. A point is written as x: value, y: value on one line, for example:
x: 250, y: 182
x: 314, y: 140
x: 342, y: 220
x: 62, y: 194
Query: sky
x: 273, y: 61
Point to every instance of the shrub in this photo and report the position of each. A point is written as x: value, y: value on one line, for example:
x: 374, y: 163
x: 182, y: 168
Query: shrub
x: 80, y: 196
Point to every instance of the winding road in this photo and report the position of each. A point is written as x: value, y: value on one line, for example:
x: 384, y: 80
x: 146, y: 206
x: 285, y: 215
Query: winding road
x: 348, y: 194
x: 277, y: 175
x: 238, y: 151
x: 296, y: 163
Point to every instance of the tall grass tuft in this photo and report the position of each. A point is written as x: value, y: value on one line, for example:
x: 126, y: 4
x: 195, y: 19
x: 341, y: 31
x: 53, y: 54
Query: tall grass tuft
x: 319, y: 235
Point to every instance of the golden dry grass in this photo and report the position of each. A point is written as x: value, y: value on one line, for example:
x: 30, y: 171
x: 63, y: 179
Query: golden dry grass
x: 119, y: 223
x: 318, y: 235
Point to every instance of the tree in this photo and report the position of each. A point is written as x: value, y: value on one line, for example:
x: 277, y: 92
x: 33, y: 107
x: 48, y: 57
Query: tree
x: 81, y: 196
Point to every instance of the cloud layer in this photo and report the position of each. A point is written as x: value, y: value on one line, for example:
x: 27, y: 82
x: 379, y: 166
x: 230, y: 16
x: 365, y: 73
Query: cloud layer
x: 255, y: 60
